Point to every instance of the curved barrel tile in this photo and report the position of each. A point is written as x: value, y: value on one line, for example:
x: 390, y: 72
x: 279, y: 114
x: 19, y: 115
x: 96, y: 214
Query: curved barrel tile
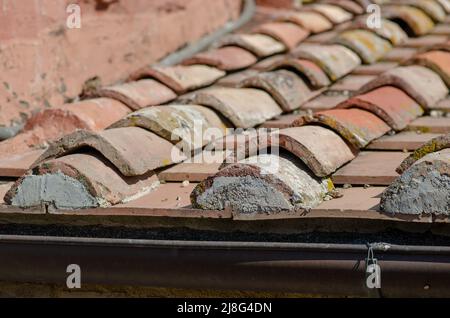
x: 431, y: 7
x: 422, y: 189
x: 438, y: 61
x: 244, y: 107
x: 366, y: 44
x: 436, y: 144
x: 176, y: 123
x: 263, y: 184
x: 180, y: 78
x: 312, y: 21
x: 335, y: 60
x: 132, y: 150
x: 347, y: 5
x: 316, y: 76
x: 417, y: 21
x: 259, y: 44
x: 77, y: 181
x: 139, y: 94
x: 388, y: 30
x: 419, y: 82
x: 288, y: 33
x: 333, y: 13
x: 389, y: 103
x: 284, y: 86
x: 357, y: 126
x: 229, y: 58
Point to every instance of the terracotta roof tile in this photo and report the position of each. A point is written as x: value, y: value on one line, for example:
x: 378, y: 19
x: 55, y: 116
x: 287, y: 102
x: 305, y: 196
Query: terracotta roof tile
x: 244, y: 107
x: 366, y: 44
x: 175, y: 123
x: 249, y: 188
x: 370, y: 168
x: 399, y: 54
x: 425, y: 41
x: 389, y: 30
x: 424, y: 85
x: 138, y: 94
x: 316, y: 76
x: 407, y: 195
x: 264, y: 64
x: 229, y: 58
x: 284, y: 86
x: 77, y: 181
x: 324, y: 102
x: 441, y: 29
x: 233, y: 79
x: 405, y: 140
x: 312, y: 21
x: 126, y: 148
x: 357, y: 126
x: 288, y: 33
x: 334, y: 13
x: 181, y: 78
x: 445, y: 5
x: 436, y: 144
x: 432, y: 8
x: 335, y: 60
x: 322, y: 38
x: 351, y: 83
x: 389, y: 103
x: 374, y: 69
x: 438, y: 61
x: 259, y: 44
x: 347, y: 5
x: 418, y: 22
x: 303, y: 142
x: 428, y: 124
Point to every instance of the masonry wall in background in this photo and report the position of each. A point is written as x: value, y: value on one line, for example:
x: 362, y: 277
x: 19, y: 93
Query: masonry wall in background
x: 43, y: 63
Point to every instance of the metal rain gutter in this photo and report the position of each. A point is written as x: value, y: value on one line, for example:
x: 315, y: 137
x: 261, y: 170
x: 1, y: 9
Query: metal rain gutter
x: 322, y: 269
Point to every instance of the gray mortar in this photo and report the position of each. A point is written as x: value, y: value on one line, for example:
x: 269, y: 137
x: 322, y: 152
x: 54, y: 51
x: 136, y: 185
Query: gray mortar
x: 244, y: 194
x: 417, y: 192
x: 57, y: 190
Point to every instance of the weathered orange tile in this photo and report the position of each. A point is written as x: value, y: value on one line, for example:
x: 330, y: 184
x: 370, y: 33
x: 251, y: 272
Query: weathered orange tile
x: 180, y: 78
x: 244, y: 107
x: 316, y: 76
x: 259, y: 44
x: 287, y: 33
x: 286, y: 88
x: 352, y: 83
x: 133, y: 151
x: 421, y: 83
x: 438, y: 61
x: 334, y: 13
x: 418, y: 22
x: 391, y: 104
x: 369, y: 46
x: 374, y: 69
x: 428, y: 124
x: 358, y: 127
x: 347, y: 5
x: 425, y: 41
x: 312, y: 21
x: 388, y: 30
x: 229, y: 58
x: 399, y: 54
x: 436, y: 144
x: 138, y: 94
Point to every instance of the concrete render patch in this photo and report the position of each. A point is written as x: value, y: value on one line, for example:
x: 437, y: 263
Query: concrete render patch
x: 58, y: 190
x: 280, y: 184
x: 424, y: 188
